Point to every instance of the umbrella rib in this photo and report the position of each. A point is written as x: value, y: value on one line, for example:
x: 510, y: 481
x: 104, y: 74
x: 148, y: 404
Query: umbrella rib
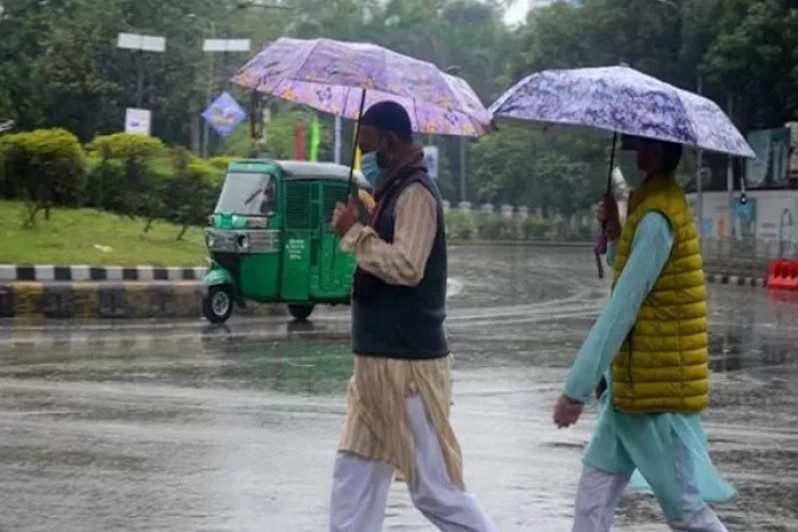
x: 307, y: 57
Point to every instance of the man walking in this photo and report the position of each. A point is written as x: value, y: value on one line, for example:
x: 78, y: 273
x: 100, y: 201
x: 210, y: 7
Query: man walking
x: 399, y: 395
x: 649, y: 350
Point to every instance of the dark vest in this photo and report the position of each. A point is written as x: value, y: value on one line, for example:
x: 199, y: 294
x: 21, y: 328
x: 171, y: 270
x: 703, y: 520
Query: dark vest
x: 400, y: 321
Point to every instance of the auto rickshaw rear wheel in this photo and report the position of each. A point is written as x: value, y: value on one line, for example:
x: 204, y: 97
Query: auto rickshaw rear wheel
x: 218, y: 303
x: 300, y: 312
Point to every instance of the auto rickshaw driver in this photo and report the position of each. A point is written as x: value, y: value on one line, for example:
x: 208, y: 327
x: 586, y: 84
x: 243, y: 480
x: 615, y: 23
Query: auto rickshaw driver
x: 268, y: 204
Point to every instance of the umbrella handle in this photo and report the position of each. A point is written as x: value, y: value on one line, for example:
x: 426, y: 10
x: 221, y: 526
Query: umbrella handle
x: 352, y: 165
x: 599, y: 265
x: 612, y: 163
x: 357, y: 139
x: 600, y: 247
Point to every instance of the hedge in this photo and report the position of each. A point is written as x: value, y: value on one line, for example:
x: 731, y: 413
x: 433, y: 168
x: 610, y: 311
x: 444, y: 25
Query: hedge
x: 45, y: 168
x: 127, y: 174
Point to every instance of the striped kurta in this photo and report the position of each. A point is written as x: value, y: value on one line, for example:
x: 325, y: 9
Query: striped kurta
x: 377, y: 425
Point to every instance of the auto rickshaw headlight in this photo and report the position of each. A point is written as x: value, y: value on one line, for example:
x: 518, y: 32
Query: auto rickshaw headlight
x: 243, y: 242
x: 210, y: 240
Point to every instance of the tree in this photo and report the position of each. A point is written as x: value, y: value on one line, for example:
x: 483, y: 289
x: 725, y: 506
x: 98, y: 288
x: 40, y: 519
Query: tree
x: 551, y: 172
x: 750, y: 61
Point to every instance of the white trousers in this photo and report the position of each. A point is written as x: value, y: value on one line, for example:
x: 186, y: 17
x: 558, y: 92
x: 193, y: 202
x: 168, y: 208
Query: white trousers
x: 360, y: 487
x: 599, y: 493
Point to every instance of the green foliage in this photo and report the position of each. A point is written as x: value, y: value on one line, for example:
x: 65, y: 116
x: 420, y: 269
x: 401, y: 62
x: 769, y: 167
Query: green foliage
x: 191, y: 194
x: 127, y: 146
x: 494, y: 227
x: 548, y: 171
x: 461, y: 225
x: 222, y: 162
x: 146, y: 174
x: 89, y: 236
x: 59, y: 68
x: 239, y: 144
x: 281, y: 133
x: 754, y: 56
x: 45, y: 167
x: 106, y: 185
x: 535, y: 228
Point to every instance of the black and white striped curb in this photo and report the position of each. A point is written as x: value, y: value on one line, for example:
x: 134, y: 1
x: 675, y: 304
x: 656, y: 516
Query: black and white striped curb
x: 47, y: 273
x: 736, y: 280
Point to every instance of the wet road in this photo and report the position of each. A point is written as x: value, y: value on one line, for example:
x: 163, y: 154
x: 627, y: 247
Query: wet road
x: 180, y: 426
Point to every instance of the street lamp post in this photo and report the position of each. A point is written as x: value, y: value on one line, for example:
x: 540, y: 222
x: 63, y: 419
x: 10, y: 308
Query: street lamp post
x: 214, y: 45
x: 141, y: 43
x: 211, y: 47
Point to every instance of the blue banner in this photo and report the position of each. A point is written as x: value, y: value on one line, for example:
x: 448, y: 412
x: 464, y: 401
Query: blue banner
x: 224, y: 115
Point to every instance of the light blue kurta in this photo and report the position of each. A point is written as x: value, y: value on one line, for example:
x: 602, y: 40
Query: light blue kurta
x: 623, y: 443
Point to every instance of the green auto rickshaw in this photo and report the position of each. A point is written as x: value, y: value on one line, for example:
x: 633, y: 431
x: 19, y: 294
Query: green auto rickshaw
x: 270, y: 238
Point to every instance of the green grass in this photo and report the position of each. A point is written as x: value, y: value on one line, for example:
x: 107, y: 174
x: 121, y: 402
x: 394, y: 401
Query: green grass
x: 70, y: 236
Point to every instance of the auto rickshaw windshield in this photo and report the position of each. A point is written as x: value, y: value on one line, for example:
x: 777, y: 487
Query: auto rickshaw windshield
x: 248, y: 194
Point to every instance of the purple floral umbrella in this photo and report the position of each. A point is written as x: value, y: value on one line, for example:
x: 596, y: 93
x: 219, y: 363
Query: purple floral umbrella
x: 342, y: 78
x: 621, y: 100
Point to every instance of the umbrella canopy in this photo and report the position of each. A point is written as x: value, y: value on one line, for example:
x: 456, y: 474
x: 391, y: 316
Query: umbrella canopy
x: 622, y: 100
x: 331, y: 76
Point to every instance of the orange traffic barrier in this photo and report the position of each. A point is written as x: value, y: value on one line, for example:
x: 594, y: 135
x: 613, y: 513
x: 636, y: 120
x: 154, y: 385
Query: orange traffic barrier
x: 783, y: 275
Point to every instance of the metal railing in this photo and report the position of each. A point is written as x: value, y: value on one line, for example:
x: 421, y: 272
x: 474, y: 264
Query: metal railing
x: 745, y: 257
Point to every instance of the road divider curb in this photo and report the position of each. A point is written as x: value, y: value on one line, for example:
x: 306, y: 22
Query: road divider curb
x: 112, y: 300
x: 50, y: 273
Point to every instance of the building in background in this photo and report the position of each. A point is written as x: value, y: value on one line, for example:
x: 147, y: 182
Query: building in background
x: 770, y: 210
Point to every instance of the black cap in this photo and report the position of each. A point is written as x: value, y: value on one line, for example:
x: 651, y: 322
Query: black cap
x: 389, y: 116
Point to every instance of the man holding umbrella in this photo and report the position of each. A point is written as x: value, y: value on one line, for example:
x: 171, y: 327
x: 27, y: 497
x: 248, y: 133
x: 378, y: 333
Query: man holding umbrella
x: 399, y: 395
x: 651, y: 344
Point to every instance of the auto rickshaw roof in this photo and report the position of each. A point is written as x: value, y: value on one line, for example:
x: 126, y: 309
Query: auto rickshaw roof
x: 302, y: 170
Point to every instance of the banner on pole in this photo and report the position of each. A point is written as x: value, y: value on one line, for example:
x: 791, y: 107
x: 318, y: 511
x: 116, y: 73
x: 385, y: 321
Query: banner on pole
x: 224, y: 115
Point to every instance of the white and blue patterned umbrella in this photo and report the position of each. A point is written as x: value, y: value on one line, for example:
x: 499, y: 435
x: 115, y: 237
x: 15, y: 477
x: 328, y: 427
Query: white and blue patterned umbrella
x: 622, y: 100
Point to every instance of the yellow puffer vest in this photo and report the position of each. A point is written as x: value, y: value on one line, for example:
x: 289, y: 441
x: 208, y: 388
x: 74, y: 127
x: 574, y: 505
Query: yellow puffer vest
x: 663, y: 364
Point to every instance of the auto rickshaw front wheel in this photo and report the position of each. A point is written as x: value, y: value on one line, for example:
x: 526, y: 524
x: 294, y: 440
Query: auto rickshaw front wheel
x: 217, y: 306
x: 300, y: 312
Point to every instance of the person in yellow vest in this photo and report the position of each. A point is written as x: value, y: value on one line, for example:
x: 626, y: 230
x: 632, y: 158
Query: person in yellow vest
x: 649, y: 351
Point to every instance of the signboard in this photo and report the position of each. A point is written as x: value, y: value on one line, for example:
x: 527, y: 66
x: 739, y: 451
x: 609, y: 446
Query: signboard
x: 226, y: 45
x: 431, y: 160
x: 224, y: 115
x: 147, y: 43
x: 772, y: 148
x: 137, y: 121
